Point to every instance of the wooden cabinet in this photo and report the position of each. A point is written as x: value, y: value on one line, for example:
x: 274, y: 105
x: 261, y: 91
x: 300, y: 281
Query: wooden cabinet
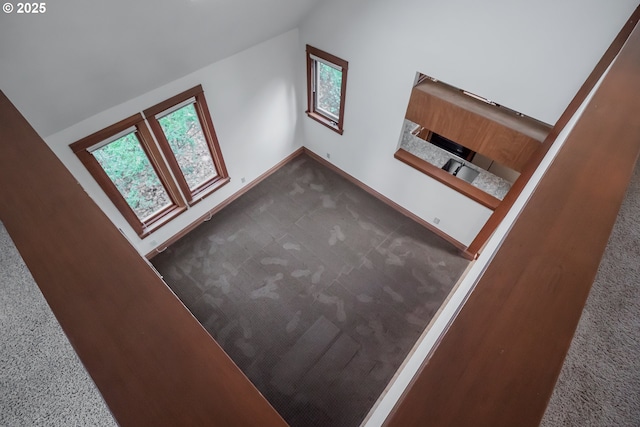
x: 496, y: 132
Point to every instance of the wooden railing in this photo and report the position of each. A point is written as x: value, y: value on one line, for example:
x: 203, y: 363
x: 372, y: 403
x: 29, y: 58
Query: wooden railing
x: 499, y: 360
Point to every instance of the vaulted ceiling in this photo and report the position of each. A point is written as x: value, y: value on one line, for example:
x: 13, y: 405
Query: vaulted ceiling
x: 81, y: 57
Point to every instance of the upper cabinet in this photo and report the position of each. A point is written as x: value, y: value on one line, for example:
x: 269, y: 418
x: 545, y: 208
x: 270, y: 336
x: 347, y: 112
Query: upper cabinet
x: 467, y: 142
x: 482, y: 126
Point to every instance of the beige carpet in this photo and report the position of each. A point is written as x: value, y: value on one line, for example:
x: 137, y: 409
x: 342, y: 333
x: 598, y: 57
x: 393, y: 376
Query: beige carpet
x: 42, y: 381
x: 600, y: 381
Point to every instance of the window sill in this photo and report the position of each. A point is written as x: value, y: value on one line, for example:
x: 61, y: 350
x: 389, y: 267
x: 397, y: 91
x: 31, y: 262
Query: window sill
x: 208, y: 189
x: 325, y: 121
x: 161, y: 220
x: 176, y: 211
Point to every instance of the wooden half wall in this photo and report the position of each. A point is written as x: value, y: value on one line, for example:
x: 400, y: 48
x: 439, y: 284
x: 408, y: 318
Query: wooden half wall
x: 499, y: 360
x: 150, y: 358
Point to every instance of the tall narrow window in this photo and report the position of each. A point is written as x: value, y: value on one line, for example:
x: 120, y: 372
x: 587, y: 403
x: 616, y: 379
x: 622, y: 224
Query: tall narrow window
x: 326, y: 87
x: 150, y: 189
x: 184, y: 130
x: 124, y: 161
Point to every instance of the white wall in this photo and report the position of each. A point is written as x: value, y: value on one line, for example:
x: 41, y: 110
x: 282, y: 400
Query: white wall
x: 529, y: 56
x: 253, y: 104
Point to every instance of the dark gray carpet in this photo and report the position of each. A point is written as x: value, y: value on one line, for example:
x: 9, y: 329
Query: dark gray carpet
x: 42, y: 383
x: 316, y: 290
x: 600, y: 381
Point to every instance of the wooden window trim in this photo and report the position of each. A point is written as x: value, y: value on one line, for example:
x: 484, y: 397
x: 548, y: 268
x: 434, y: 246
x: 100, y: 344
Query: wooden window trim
x: 311, y: 110
x: 162, y: 160
x: 142, y: 228
x: 202, y: 110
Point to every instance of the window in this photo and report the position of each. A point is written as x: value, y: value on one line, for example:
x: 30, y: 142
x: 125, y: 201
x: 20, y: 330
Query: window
x: 147, y: 188
x: 184, y: 130
x: 326, y: 86
x: 125, y: 162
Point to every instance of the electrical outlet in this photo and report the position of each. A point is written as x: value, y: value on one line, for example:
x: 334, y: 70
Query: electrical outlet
x: 436, y: 220
x: 242, y: 180
x: 328, y: 156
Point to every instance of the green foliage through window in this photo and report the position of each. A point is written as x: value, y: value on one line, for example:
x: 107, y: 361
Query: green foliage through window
x: 184, y: 133
x: 129, y: 168
x: 328, y: 89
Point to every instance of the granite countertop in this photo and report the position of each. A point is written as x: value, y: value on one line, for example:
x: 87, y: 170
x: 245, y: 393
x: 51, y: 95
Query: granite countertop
x: 485, y: 181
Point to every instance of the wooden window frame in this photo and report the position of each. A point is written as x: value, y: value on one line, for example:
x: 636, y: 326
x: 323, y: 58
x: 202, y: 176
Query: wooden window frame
x: 209, y: 186
x: 152, y: 223
x: 312, y: 112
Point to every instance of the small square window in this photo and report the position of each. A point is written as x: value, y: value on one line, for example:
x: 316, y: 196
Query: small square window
x: 326, y: 84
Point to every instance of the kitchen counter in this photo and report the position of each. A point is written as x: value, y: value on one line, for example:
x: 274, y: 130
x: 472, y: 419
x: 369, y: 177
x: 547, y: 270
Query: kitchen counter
x: 485, y: 181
